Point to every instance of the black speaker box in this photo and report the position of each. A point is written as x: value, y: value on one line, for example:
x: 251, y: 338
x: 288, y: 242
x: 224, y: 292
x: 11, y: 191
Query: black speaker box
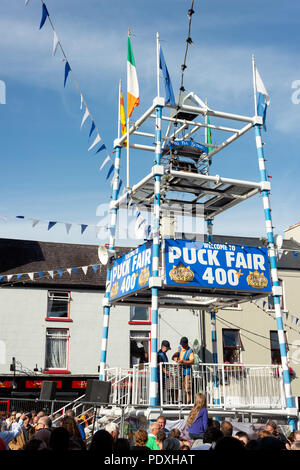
x: 97, y: 391
x: 48, y: 390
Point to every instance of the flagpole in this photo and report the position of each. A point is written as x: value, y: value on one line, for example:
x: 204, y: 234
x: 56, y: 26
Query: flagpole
x: 254, y: 84
x: 157, y: 63
x: 119, y: 111
x: 127, y: 149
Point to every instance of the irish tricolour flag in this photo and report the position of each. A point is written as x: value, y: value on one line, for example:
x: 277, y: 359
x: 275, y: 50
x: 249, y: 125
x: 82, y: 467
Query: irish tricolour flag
x: 132, y: 82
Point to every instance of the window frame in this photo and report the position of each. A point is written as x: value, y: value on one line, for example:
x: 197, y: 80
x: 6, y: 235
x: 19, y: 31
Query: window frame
x: 148, y: 338
x: 62, y: 370
x: 140, y: 322
x: 278, y: 349
x: 59, y: 319
x: 231, y: 348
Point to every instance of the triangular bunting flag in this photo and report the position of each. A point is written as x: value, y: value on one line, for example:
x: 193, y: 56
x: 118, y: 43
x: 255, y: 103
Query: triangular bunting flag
x: 74, y: 270
x: 85, y: 116
x: 31, y: 276
x: 44, y: 15
x: 3, y: 217
x: 264, y: 303
x: 81, y: 100
x: 68, y: 227
x: 1, y: 278
x: 26, y: 2
x: 35, y: 222
x: 84, y: 269
x: 41, y: 274
x: 295, y: 253
x: 92, y: 128
x: 297, y: 319
x: 280, y: 253
x: 51, y: 224
x: 287, y: 315
x: 67, y: 70
x: 110, y: 171
x: 82, y: 228
x: 95, y: 268
x: 69, y: 271
x: 60, y: 272
x: 51, y: 274
x: 20, y: 217
x: 9, y: 276
x: 104, y: 163
x: 55, y: 43
x: 96, y: 141
x: 18, y: 276
x: 101, y: 148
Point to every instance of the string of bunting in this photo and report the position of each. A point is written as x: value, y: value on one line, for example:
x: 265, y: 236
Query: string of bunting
x: 293, y: 318
x: 83, y: 104
x: 52, y: 223
x: 8, y: 279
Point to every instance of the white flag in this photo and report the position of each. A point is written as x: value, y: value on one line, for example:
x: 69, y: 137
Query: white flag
x: 84, y: 269
x: 55, y: 43
x: 31, y: 276
x: 81, y: 100
x: 98, y: 138
x: 26, y: 2
x: 68, y: 227
x: 9, y: 276
x: 3, y: 217
x: 260, y: 87
x: 105, y: 161
x: 69, y: 270
x: 51, y: 274
x: 85, y: 116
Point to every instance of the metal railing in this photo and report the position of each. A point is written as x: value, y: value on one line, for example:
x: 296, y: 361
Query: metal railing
x: 226, y: 386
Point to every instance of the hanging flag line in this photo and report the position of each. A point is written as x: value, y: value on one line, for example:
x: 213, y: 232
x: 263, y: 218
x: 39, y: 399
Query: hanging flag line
x: 52, y: 223
x: 293, y: 318
x: 83, y: 104
x: 6, y: 279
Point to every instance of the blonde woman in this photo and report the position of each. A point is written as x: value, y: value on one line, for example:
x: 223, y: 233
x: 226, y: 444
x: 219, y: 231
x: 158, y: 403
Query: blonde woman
x: 197, y: 422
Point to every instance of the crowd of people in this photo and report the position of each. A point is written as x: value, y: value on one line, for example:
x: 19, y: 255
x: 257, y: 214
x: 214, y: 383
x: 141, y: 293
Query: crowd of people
x: 31, y: 431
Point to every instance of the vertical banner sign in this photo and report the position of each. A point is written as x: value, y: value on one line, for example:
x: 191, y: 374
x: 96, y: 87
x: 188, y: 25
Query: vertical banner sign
x: 216, y: 265
x: 131, y: 272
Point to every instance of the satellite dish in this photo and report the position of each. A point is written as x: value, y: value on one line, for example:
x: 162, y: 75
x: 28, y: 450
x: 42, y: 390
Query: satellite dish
x: 103, y: 254
x: 279, y: 241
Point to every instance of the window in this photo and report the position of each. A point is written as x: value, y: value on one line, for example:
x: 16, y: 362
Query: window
x: 271, y: 299
x: 275, y: 348
x: 57, y: 349
x: 139, y: 314
x: 231, y: 346
x: 58, y: 305
x: 139, y: 347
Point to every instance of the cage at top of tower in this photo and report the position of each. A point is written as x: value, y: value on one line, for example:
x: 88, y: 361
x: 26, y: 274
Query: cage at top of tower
x: 186, y: 155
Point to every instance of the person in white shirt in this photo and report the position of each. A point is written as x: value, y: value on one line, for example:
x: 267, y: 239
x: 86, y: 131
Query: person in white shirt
x: 15, y: 430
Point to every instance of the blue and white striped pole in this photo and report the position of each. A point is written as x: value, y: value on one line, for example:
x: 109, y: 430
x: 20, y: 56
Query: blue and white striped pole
x: 112, y: 239
x: 155, y: 262
x: 209, y: 224
x: 274, y: 274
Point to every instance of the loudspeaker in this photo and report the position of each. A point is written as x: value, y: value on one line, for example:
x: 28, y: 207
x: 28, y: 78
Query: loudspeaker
x: 97, y: 391
x: 48, y: 390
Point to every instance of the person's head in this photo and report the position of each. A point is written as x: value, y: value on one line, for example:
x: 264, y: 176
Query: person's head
x: 35, y: 444
x: 13, y: 416
x: 226, y: 428
x: 171, y: 444
x: 229, y: 443
x: 213, y: 423
x: 264, y: 433
x: 184, y: 442
x: 165, y: 346
x: 269, y: 443
x: 154, y: 428
x: 212, y: 435
x: 70, y: 413
x: 37, y: 417
x: 141, y: 437
x: 113, y: 430
x: 43, y: 422
x: 271, y: 426
x: 200, y: 402
x: 70, y: 425
x: 161, y: 420
x: 242, y: 436
x: 59, y: 439
x: 102, y: 441
x: 184, y: 342
x: 297, y: 436
x: 44, y: 436
x: 26, y: 420
x: 160, y: 436
x: 175, y: 433
x: 121, y: 445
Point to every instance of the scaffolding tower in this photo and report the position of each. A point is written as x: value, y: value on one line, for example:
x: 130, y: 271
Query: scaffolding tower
x: 180, y: 179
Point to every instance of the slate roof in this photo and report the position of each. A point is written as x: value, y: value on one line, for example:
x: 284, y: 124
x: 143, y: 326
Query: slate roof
x: 24, y: 256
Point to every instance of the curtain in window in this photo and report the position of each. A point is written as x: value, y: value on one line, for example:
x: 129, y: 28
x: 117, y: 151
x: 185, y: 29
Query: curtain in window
x: 56, y: 349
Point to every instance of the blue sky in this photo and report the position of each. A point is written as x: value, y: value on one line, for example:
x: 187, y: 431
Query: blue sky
x: 46, y: 170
